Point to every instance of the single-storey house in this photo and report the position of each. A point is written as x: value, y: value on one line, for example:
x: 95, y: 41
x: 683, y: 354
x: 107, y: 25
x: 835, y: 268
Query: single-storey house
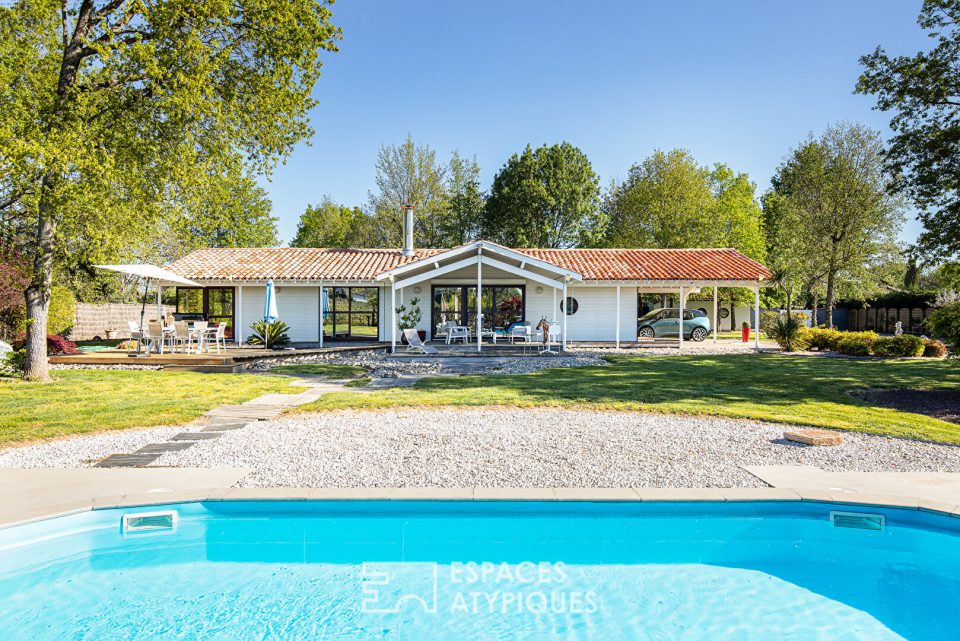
x: 342, y: 294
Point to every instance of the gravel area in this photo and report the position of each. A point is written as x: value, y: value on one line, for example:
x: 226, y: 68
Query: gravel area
x: 69, y: 366
x: 81, y: 451
x: 534, y: 448
x: 689, y: 348
x: 382, y: 365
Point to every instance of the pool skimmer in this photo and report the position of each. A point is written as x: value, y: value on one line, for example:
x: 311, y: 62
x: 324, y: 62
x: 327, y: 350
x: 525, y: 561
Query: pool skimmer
x: 149, y: 522
x: 858, y: 520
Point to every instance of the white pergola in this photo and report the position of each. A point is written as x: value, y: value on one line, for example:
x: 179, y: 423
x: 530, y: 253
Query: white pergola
x: 477, y: 254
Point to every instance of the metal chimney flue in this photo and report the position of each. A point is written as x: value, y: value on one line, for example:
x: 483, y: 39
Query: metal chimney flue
x: 407, y: 229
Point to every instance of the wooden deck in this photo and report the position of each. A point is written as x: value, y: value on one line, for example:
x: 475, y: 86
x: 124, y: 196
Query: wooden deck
x: 232, y: 359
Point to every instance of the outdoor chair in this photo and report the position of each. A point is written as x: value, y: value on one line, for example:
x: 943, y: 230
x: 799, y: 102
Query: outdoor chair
x: 136, y: 336
x: 199, y: 332
x: 520, y: 332
x: 219, y: 336
x: 154, y: 336
x: 458, y: 331
x: 414, y: 343
x: 181, y: 336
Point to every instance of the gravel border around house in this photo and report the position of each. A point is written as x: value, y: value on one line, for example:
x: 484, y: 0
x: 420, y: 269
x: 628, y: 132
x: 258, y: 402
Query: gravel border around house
x: 494, y: 447
x: 84, y: 450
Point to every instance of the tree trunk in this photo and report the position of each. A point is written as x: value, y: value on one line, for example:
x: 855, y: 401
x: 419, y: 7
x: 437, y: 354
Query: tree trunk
x: 828, y: 303
x: 733, y: 315
x: 37, y: 294
x: 816, y: 321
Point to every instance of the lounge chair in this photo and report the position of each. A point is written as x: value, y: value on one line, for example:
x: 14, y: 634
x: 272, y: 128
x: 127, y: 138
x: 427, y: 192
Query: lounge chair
x: 414, y: 342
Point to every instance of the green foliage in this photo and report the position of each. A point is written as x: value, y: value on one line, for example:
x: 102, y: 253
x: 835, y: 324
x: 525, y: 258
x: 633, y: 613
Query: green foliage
x: 830, y: 214
x: 232, y: 211
x: 823, y: 338
x: 270, y: 335
x: 670, y: 201
x: 945, y: 323
x: 331, y: 225
x: 409, y: 318
x: 544, y: 197
x: 12, y: 363
x: 856, y: 343
x: 462, y: 223
x: 788, y: 331
x: 61, y: 313
x: 409, y: 174
x: 905, y: 345
x: 922, y: 93
x: 934, y: 349
x: 113, y: 111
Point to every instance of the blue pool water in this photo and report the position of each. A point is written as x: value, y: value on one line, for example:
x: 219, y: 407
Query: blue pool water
x: 424, y: 571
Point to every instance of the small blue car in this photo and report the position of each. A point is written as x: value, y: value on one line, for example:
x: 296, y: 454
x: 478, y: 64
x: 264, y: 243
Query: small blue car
x: 663, y: 322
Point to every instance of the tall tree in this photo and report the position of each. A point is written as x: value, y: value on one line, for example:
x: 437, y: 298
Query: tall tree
x: 834, y: 203
x: 108, y: 104
x: 462, y: 223
x: 544, y: 197
x: 670, y: 201
x: 333, y: 225
x: 408, y: 174
x: 665, y: 201
x: 923, y: 92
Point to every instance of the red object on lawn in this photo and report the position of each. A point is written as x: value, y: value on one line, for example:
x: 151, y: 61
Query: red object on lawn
x: 745, y: 334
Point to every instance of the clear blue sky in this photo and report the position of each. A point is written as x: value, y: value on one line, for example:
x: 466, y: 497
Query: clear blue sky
x: 733, y: 81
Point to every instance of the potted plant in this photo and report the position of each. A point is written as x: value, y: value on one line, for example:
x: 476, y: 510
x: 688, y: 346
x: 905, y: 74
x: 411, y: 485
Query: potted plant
x: 745, y: 331
x: 410, y: 318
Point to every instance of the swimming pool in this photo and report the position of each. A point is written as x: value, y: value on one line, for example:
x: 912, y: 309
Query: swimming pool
x: 452, y: 571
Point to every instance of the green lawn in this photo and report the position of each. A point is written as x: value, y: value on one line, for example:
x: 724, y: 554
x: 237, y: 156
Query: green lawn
x: 788, y: 389
x: 82, y: 401
x: 327, y: 370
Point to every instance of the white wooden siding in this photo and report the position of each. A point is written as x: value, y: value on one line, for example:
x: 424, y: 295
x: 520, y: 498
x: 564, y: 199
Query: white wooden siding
x: 299, y: 308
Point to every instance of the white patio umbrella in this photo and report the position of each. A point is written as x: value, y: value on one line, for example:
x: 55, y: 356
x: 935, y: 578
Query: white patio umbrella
x: 149, y: 273
x: 270, y: 312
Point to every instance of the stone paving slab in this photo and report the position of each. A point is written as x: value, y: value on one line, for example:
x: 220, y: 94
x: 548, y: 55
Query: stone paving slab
x: 853, y: 486
x: 128, y: 460
x: 225, y: 427
x: 30, y: 494
x: 195, y: 436
x: 163, y: 448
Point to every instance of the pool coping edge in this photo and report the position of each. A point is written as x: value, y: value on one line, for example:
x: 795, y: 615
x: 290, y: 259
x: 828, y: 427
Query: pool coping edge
x: 480, y: 494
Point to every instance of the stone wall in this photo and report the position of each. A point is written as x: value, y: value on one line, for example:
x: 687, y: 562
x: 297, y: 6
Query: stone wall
x: 94, y: 319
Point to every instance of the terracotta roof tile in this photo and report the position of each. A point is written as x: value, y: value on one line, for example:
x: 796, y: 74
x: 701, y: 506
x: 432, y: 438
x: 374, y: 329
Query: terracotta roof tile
x: 291, y: 263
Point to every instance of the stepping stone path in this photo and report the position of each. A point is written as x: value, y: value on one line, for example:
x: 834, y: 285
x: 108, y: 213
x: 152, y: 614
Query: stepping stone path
x: 228, y: 417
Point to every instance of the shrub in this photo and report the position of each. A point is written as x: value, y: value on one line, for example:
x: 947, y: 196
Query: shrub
x: 56, y: 345
x: 61, y: 313
x: 824, y: 339
x: 945, y: 323
x: 856, y: 343
x: 903, y: 345
x: 790, y: 333
x: 269, y: 334
x: 934, y: 349
x: 13, y: 363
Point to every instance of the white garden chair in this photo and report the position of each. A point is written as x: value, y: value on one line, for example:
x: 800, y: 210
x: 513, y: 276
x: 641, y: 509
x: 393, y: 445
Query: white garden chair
x: 219, y: 336
x: 553, y: 338
x: 414, y: 343
x: 199, y: 332
x: 136, y: 336
x: 154, y: 336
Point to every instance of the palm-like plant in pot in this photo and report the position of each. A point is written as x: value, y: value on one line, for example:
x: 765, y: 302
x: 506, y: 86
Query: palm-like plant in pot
x: 409, y: 318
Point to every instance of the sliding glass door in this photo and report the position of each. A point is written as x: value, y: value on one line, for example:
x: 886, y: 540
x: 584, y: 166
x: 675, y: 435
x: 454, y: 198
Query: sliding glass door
x: 214, y: 304
x: 500, y: 304
x: 351, y: 313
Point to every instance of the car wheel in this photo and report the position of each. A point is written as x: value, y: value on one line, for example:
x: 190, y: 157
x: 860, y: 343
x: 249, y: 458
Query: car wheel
x: 646, y: 332
x: 698, y: 334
